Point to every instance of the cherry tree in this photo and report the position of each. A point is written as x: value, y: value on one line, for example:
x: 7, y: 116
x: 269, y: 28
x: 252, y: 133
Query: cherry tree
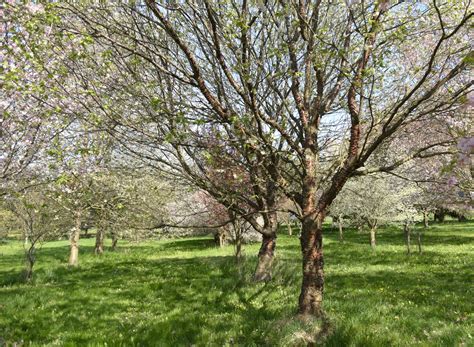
x: 304, y: 95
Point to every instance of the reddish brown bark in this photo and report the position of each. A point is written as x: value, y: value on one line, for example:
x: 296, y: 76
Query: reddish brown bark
x: 311, y: 296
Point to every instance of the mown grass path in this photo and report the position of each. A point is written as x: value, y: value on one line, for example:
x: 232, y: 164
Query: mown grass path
x: 188, y: 292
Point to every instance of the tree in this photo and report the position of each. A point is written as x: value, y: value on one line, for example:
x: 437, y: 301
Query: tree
x: 308, y: 92
x: 37, y: 215
x: 370, y: 200
x: 27, y: 125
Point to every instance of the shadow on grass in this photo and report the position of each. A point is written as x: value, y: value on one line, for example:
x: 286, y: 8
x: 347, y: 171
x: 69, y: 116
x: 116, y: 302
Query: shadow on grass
x: 188, y: 245
x: 178, y: 301
x: 126, y: 298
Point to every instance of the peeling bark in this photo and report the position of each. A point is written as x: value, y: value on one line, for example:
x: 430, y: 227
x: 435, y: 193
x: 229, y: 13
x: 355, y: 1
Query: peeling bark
x: 311, y: 296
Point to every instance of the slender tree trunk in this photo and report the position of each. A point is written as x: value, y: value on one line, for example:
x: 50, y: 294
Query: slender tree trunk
x: 341, y: 232
x: 237, y: 230
x: 372, y: 237
x: 114, y: 241
x: 290, y: 230
x: 30, y: 262
x: 311, y: 296
x: 406, y: 228
x: 419, y: 242
x: 263, y: 272
x: 221, y: 240
x: 425, y: 219
x: 74, y: 241
x: 99, y: 241
x: 238, y: 247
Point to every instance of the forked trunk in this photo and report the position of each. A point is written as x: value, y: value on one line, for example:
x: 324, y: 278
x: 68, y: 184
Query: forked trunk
x: 74, y: 242
x: 99, y: 241
x: 263, y: 272
x: 311, y: 296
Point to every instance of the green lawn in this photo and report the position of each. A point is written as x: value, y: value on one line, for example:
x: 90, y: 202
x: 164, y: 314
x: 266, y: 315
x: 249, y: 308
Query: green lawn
x: 188, y: 292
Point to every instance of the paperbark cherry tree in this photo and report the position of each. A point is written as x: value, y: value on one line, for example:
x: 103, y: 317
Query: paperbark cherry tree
x: 310, y: 91
x: 330, y: 52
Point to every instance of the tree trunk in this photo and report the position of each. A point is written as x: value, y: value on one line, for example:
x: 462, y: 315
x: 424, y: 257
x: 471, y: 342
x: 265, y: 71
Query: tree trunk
x: 406, y: 228
x: 219, y: 238
x: 372, y: 238
x: 99, y: 241
x: 425, y: 219
x: 341, y: 232
x: 114, y: 241
x: 74, y: 241
x: 290, y: 230
x: 419, y: 242
x: 263, y: 272
x: 373, y: 230
x: 30, y: 262
x: 238, y: 247
x: 311, y: 296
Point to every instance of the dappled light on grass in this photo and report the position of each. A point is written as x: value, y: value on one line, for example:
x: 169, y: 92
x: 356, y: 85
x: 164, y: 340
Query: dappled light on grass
x: 186, y: 291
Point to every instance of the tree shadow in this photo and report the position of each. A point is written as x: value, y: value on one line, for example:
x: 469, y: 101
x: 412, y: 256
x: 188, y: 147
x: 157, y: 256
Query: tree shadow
x: 155, y: 302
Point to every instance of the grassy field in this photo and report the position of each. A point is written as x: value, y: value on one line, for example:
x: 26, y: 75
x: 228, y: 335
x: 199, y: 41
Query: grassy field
x: 188, y: 292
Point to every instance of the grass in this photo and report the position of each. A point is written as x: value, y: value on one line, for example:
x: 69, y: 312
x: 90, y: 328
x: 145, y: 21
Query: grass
x: 188, y: 292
